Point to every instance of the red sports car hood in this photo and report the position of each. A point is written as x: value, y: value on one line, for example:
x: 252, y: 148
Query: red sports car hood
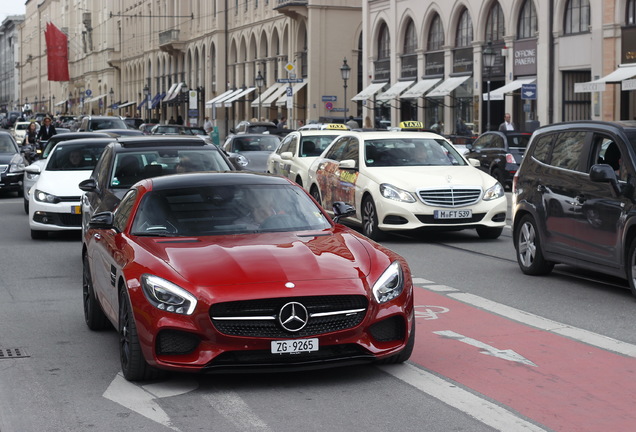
x: 262, y: 258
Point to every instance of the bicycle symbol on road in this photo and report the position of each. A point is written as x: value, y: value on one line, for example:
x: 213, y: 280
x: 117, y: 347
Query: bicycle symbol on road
x: 429, y: 312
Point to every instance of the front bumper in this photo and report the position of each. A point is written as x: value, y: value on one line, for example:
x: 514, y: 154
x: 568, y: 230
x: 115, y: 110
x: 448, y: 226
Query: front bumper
x: 64, y: 216
x: 11, y: 181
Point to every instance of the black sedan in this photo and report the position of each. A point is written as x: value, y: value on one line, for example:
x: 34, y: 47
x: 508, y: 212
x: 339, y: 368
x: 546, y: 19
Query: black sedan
x: 11, y: 164
x: 252, y: 150
x: 131, y: 159
x: 499, y: 153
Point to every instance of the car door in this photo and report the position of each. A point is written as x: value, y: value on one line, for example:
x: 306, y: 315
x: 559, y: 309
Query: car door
x: 91, y: 200
x: 275, y: 162
x: 602, y: 210
x: 328, y: 172
x: 478, y: 151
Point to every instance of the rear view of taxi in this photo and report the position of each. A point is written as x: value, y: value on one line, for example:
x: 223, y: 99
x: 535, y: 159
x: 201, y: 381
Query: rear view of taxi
x: 400, y: 181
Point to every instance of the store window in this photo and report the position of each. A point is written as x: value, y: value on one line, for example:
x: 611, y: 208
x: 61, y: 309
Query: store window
x: 409, y: 56
x: 383, y: 63
x: 577, y: 17
x: 576, y: 106
x: 527, y: 27
x: 436, y: 34
x: 630, y: 19
x: 464, y: 36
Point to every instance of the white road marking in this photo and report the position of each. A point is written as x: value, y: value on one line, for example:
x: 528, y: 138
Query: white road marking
x: 141, y: 399
x: 231, y: 406
x: 484, y: 411
x: 490, y: 350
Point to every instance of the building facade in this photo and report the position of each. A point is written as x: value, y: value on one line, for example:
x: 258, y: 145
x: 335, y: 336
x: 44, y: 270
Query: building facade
x: 9, y: 58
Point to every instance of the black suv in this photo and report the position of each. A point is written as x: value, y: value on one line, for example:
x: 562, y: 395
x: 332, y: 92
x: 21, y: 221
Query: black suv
x: 499, y: 153
x: 574, y: 199
x: 129, y: 160
x: 93, y: 123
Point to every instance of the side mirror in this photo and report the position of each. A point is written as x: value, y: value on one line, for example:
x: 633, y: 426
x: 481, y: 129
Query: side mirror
x: 32, y: 169
x: 88, y: 185
x: 347, y: 164
x: 286, y: 155
x: 342, y: 210
x: 102, y: 220
x: 474, y: 162
x: 469, y: 146
x: 603, y: 173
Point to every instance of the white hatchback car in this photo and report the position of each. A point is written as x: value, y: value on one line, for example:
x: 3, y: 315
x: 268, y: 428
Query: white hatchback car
x: 20, y: 128
x: 297, y: 151
x: 402, y: 181
x: 55, y: 199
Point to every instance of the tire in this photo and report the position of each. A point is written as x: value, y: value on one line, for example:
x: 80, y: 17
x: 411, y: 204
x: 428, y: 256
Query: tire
x: 133, y: 364
x: 299, y: 181
x: 93, y: 312
x: 370, y: 220
x: 528, y: 247
x: 315, y: 193
x: 487, y: 233
x: 403, y: 355
x: 26, y: 206
x: 498, y: 174
x: 39, y: 235
x: 631, y: 267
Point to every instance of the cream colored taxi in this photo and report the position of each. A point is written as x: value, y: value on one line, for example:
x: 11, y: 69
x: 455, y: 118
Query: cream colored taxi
x: 298, y: 150
x: 401, y: 181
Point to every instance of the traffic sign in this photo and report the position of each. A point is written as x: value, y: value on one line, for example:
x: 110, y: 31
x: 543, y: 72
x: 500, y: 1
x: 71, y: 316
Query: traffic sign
x: 329, y: 106
x: 326, y: 98
x: 88, y: 92
x: 529, y: 91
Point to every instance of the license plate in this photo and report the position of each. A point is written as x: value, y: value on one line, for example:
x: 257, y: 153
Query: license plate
x: 294, y: 346
x: 452, y: 214
x: 76, y: 209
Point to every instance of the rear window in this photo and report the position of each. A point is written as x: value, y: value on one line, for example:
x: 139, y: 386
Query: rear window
x: 520, y: 141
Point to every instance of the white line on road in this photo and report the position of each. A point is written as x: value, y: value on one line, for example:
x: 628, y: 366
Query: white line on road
x: 231, y: 406
x: 486, y: 412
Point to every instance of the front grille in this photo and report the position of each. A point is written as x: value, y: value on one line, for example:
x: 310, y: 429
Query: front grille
x: 70, y: 220
x: 76, y: 199
x: 453, y: 196
x: 170, y: 342
x: 3, y: 168
x: 259, y: 318
x: 258, y: 357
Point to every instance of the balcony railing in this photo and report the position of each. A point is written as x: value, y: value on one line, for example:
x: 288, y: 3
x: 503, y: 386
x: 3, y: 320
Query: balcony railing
x: 280, y: 3
x: 169, y: 36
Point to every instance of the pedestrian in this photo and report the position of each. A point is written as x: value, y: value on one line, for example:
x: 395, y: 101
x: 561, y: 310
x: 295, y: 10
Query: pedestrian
x: 47, y: 130
x: 301, y: 123
x: 507, y: 124
x: 367, y: 123
x: 207, y: 125
x: 179, y: 120
x: 352, y: 123
x: 171, y: 121
x: 30, y: 137
x: 462, y: 128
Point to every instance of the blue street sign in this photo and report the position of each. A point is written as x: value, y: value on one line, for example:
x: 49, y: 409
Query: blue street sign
x: 329, y: 98
x: 289, y: 80
x: 339, y: 110
x: 88, y: 92
x: 529, y: 91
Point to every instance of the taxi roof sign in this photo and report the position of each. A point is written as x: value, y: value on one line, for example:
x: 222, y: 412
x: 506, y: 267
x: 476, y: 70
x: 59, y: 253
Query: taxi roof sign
x: 338, y: 126
x: 411, y: 124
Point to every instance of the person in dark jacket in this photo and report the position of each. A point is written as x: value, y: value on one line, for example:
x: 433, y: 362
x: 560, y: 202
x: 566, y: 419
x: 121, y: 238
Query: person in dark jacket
x: 47, y: 130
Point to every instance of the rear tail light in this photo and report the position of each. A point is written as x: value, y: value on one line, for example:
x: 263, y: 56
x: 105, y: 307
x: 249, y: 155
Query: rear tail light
x: 510, y: 159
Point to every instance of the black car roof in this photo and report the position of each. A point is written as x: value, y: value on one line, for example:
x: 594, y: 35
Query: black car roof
x: 628, y: 125
x: 161, y: 141
x: 84, y: 141
x: 216, y: 179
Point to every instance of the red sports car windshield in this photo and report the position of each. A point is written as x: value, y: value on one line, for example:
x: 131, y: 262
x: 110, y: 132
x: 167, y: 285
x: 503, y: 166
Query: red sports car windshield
x: 226, y: 209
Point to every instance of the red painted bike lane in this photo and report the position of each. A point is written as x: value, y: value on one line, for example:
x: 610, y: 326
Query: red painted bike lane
x: 573, y: 387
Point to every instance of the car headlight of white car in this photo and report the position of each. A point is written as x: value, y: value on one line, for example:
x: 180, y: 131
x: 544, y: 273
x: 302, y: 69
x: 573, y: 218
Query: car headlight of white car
x: 167, y: 296
x: 395, y: 193
x: 390, y: 284
x: 494, y: 192
x: 45, y: 197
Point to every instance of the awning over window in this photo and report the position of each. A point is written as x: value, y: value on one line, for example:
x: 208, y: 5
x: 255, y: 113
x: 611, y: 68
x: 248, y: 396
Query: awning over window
x: 499, y: 93
x: 369, y: 92
x: 447, y: 87
x: 624, y: 72
x: 419, y: 89
x: 264, y: 95
x: 95, y: 99
x: 237, y: 96
x: 157, y: 100
x: 395, y: 90
x: 273, y: 97
x: 283, y: 99
x: 126, y: 104
x: 170, y: 92
x: 61, y: 102
x: 214, y: 100
x: 218, y: 101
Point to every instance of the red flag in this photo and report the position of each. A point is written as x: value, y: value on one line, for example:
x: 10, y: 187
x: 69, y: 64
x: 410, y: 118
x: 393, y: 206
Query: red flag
x: 56, y: 53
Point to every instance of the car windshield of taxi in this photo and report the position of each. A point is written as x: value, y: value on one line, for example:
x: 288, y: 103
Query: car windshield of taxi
x: 403, y: 181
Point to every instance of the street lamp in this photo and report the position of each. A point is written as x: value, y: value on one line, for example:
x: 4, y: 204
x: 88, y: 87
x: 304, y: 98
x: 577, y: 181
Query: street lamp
x: 52, y: 104
x: 489, y: 57
x: 147, y: 98
x: 184, y: 95
x: 260, y: 82
x: 111, y: 95
x: 345, y: 71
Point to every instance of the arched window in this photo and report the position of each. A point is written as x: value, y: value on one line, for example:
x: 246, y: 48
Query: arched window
x: 436, y: 34
x: 410, y: 39
x: 630, y: 18
x: 464, y: 30
x: 527, y: 27
x: 384, y: 47
x: 495, y: 24
x: 577, y: 17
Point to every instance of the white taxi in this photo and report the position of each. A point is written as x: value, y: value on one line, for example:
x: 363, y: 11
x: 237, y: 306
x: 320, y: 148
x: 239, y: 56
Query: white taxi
x: 297, y: 151
x: 402, y: 181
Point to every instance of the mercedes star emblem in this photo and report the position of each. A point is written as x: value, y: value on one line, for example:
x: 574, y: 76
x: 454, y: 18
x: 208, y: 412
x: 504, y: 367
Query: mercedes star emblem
x: 293, y: 316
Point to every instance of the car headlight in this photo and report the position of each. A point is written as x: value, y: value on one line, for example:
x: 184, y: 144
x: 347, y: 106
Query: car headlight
x: 45, y: 197
x: 390, y: 284
x: 16, y: 164
x: 167, y: 296
x: 395, y: 193
x: 494, y: 192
